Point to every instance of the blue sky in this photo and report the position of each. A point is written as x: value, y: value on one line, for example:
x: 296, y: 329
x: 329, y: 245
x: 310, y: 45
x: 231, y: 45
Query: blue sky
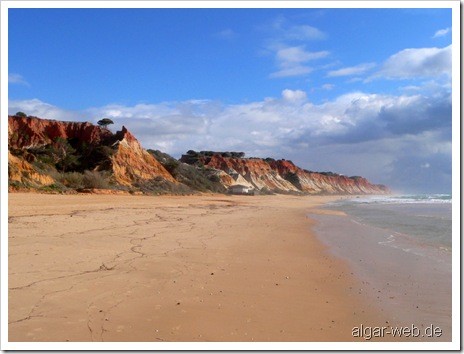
x: 355, y: 91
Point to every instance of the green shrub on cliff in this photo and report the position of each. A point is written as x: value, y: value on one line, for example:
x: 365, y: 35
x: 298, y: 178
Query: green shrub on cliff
x: 197, y: 178
x: 95, y: 179
x: 64, y: 155
x: 73, y: 180
x: 58, y: 155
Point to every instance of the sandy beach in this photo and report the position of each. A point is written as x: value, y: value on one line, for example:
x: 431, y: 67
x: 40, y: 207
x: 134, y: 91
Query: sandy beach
x: 197, y: 268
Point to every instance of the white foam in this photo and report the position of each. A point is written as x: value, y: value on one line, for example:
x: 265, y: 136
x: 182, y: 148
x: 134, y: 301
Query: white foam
x: 404, y: 199
x: 390, y: 239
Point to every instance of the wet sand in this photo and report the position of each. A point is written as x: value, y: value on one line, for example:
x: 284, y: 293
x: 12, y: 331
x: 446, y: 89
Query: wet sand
x: 410, y: 281
x: 197, y: 268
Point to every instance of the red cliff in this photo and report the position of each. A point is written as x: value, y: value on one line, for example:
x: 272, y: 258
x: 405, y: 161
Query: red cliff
x: 46, y: 152
x: 131, y: 162
x: 257, y: 172
x: 127, y: 161
x: 26, y: 132
x: 331, y: 183
x: 280, y: 175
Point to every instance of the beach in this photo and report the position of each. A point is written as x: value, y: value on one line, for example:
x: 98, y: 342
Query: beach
x: 120, y: 268
x: 401, y: 252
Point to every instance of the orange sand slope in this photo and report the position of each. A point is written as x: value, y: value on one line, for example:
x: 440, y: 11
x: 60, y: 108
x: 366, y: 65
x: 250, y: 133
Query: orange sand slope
x: 198, y: 268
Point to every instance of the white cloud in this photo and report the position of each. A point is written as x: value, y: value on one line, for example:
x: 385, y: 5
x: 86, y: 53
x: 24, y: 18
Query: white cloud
x: 288, y: 44
x: 417, y: 63
x: 294, y: 95
x: 17, y: 79
x: 441, y: 33
x: 38, y: 108
x: 304, y: 33
x: 352, y: 70
x: 292, y: 55
x: 292, y: 61
x: 141, y: 111
x: 284, y: 31
x: 157, y: 124
x: 351, y: 117
x: 411, y: 88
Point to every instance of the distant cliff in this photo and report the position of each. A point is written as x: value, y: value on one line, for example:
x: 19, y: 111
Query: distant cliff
x: 58, y: 156
x: 279, y: 176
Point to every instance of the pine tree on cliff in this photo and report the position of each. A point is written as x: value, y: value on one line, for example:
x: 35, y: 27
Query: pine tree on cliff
x: 105, y: 122
x: 21, y: 114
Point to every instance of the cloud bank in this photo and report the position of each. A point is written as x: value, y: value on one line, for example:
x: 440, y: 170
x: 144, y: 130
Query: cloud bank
x: 389, y: 139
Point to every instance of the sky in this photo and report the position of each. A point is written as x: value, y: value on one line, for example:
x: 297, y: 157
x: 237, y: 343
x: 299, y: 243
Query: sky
x: 354, y: 91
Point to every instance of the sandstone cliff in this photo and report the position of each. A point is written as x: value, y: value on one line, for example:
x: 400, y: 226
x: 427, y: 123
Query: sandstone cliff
x: 280, y: 176
x: 37, y: 145
x: 75, y: 155
x: 32, y: 132
x: 22, y: 172
x: 131, y: 162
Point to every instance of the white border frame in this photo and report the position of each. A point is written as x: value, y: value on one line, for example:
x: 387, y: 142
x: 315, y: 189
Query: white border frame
x: 456, y: 188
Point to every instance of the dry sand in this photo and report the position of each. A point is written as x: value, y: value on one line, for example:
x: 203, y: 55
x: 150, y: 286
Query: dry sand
x: 197, y: 268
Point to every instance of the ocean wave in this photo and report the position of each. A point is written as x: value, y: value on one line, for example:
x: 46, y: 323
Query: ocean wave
x: 404, y: 199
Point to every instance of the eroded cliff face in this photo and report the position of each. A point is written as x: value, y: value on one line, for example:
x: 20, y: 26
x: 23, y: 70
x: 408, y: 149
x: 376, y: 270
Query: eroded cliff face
x: 256, y: 172
x: 314, y: 182
x: 127, y: 162
x: 281, y: 175
x: 131, y: 162
x: 46, y: 152
x: 29, y: 132
x: 21, y: 171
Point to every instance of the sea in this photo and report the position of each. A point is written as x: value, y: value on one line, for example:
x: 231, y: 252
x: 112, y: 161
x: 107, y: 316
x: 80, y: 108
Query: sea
x: 424, y: 219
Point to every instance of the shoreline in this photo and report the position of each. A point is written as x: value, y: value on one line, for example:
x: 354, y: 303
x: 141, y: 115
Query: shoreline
x: 405, y: 277
x: 169, y: 268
